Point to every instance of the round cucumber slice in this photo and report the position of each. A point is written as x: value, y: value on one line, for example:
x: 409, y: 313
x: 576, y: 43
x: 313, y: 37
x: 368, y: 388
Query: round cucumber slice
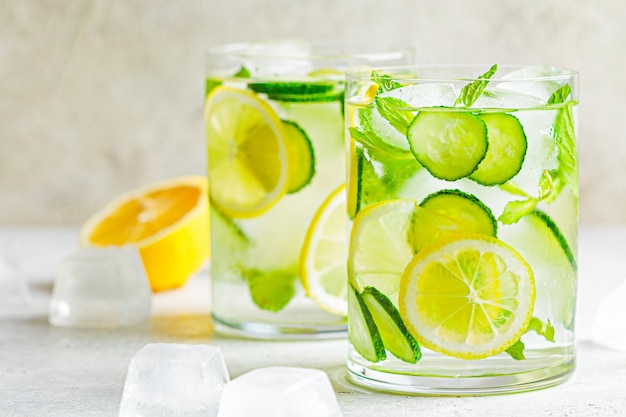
x: 301, y: 157
x: 362, y: 330
x: 448, y: 212
x: 506, y: 152
x: 394, y: 334
x: 449, y: 144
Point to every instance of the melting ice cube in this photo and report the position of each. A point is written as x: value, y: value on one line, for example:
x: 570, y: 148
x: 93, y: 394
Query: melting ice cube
x: 101, y: 287
x: 501, y: 98
x: 280, y: 392
x: 170, y: 379
x: 14, y: 289
x: 609, y: 328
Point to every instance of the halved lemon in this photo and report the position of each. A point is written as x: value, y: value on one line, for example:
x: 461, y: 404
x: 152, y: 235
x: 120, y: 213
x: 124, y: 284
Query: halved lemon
x: 323, y: 258
x: 470, y: 296
x: 168, y: 222
x: 247, y: 153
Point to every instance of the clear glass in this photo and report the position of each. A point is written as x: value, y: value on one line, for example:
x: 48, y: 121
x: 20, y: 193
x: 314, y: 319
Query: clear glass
x: 274, y: 119
x: 463, y: 220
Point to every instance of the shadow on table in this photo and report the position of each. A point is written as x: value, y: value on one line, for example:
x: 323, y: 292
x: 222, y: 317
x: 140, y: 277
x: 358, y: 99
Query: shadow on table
x: 185, y: 326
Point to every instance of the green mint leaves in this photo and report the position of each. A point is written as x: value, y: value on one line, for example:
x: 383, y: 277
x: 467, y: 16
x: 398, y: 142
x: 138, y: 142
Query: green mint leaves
x: 271, y: 290
x: 242, y: 73
x: 516, y: 350
x: 385, y: 82
x: 470, y: 93
x: 391, y: 109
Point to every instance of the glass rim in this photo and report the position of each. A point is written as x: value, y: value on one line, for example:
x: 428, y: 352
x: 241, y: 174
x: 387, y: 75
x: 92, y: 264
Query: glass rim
x: 365, y: 73
x: 321, y: 50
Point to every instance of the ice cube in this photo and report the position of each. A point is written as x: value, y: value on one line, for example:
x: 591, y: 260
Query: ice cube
x: 522, y: 81
x: 499, y: 98
x: 102, y: 288
x: 609, y: 327
x: 280, y: 392
x: 425, y: 95
x: 170, y: 379
x: 14, y: 289
x: 279, y: 58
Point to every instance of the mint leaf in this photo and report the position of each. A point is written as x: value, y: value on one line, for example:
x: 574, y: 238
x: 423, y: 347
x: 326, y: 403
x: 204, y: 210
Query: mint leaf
x: 471, y: 92
x: 271, y: 290
x: 560, y: 95
x: 546, y: 330
x: 390, y: 109
x: 515, y: 210
x: 516, y: 350
x: 242, y: 73
x: 385, y: 82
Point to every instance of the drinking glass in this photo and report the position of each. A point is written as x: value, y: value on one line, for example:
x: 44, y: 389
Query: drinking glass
x: 276, y: 169
x: 463, y: 220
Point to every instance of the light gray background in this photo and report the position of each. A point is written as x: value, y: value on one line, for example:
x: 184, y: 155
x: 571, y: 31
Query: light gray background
x: 101, y: 96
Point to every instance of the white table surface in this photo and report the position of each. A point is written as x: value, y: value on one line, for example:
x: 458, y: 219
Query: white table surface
x: 51, y: 371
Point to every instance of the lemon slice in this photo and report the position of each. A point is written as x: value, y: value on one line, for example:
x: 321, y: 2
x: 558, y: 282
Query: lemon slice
x: 247, y: 153
x: 470, y: 296
x: 323, y: 257
x: 380, y: 246
x: 167, y: 221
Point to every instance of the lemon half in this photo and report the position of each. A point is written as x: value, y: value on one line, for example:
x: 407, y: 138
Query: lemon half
x: 168, y: 222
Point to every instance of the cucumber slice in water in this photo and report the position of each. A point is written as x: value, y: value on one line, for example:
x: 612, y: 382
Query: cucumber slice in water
x: 506, y: 152
x: 293, y: 91
x: 449, y: 144
x: 538, y: 239
x: 301, y: 157
x: 362, y: 330
x: 448, y: 212
x: 394, y: 334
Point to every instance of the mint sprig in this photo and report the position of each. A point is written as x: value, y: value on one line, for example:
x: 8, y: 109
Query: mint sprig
x: 470, y: 93
x: 390, y: 108
x: 385, y: 82
x: 516, y: 350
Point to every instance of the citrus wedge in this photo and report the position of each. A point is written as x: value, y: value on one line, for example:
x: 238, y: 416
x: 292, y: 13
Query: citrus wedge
x: 470, y: 296
x: 248, y: 153
x: 323, y: 258
x: 168, y: 222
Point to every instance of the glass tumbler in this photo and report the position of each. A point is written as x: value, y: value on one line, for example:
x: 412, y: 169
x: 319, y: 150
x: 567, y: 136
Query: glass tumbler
x: 463, y: 222
x: 276, y: 169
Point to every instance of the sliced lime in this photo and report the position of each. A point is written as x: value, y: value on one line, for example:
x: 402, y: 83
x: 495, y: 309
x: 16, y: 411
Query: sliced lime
x: 362, y: 331
x: 394, y: 334
x: 301, y: 157
x: 449, y: 212
x: 449, y: 144
x: 507, y: 149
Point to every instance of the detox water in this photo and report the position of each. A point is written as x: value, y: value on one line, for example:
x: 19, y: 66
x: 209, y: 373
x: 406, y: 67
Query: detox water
x: 463, y: 213
x: 274, y: 116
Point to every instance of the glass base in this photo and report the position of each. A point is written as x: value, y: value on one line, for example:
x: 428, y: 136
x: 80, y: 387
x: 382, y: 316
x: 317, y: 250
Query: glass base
x: 457, y: 385
x: 252, y: 330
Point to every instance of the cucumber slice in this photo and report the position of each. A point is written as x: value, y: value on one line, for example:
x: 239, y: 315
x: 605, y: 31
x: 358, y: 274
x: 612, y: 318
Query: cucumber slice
x: 394, y: 334
x: 301, y: 157
x: 449, y: 144
x: 293, y: 91
x: 447, y: 212
x: 506, y: 152
x: 362, y: 330
x: 538, y: 239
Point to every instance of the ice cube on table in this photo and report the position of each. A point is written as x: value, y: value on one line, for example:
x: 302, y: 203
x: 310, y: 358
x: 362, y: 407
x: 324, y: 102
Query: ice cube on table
x: 609, y: 327
x: 521, y: 80
x: 171, y: 379
x: 101, y: 288
x: 280, y: 392
x: 14, y: 290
